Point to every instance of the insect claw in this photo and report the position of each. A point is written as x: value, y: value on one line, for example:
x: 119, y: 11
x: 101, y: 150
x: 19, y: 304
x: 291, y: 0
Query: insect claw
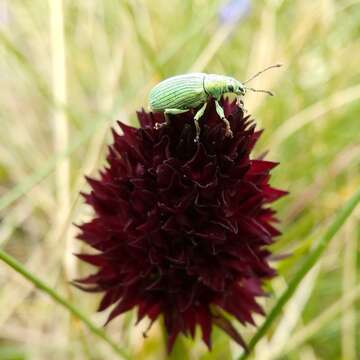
x: 229, y: 133
x: 158, y: 125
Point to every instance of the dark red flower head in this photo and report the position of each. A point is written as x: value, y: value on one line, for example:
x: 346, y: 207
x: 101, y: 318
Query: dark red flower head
x: 181, y: 228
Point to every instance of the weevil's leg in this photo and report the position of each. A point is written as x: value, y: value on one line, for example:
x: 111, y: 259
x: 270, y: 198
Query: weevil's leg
x: 167, y: 120
x: 158, y: 125
x: 197, y: 117
x: 220, y: 112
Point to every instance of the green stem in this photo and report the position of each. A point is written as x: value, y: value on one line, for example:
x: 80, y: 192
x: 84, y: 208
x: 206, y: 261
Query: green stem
x: 60, y: 300
x: 311, y: 260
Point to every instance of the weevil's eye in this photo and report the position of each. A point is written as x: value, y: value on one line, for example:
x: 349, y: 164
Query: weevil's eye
x: 231, y: 88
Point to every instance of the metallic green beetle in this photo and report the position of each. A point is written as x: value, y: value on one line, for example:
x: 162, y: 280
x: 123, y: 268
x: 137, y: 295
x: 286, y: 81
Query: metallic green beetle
x: 180, y: 93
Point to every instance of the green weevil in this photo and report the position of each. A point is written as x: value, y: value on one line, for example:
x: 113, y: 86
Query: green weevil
x: 179, y: 94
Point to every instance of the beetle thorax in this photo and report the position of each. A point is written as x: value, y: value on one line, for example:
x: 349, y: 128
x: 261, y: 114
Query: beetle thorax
x: 215, y: 85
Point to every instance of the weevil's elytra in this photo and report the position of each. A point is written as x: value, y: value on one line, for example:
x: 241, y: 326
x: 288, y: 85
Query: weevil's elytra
x: 180, y: 93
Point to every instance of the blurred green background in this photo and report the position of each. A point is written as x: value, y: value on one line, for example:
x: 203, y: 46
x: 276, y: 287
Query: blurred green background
x: 69, y: 69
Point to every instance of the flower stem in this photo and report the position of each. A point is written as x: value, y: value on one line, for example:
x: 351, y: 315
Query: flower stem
x: 13, y: 263
x: 311, y: 260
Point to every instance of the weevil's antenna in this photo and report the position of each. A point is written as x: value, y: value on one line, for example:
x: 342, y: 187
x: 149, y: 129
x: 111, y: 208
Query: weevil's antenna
x: 260, y: 90
x: 262, y: 71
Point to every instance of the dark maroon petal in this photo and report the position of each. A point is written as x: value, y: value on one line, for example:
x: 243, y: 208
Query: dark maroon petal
x: 110, y: 297
x: 204, y: 319
x: 190, y: 320
x: 149, y: 308
x: 226, y: 325
x: 96, y: 260
x: 261, y: 166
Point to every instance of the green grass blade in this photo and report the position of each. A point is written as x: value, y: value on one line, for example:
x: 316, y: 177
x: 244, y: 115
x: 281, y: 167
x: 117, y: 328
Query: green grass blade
x: 180, y: 350
x: 26, y: 65
x: 25, y: 186
x: 13, y: 263
x: 311, y: 260
x: 145, y: 45
x: 12, y: 353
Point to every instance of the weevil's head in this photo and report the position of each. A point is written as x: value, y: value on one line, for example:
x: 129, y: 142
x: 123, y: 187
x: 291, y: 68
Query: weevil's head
x: 217, y: 85
x: 235, y: 87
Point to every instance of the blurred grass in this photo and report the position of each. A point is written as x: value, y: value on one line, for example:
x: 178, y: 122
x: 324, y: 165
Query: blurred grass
x: 114, y: 52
